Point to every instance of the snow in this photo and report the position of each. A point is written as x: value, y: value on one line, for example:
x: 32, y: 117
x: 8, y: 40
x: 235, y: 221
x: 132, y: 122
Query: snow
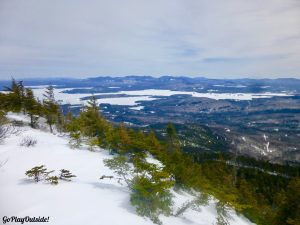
x: 86, y: 199
x: 227, y: 129
x: 140, y: 107
x: 265, y: 137
x: 265, y: 86
x: 39, y: 86
x: 231, y: 86
x: 131, y: 101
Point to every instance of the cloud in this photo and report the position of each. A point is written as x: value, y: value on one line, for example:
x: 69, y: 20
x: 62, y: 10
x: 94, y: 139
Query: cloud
x: 233, y: 38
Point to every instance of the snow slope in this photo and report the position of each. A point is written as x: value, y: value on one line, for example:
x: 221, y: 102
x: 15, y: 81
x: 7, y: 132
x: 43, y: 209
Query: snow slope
x: 86, y: 199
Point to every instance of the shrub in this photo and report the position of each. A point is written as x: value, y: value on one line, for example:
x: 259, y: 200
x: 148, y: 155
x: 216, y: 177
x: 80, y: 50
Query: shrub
x: 28, y: 142
x: 6, y: 129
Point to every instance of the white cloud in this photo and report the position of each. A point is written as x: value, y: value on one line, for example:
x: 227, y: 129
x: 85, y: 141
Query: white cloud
x: 235, y: 38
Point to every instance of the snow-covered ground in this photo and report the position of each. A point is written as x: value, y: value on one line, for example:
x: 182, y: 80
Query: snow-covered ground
x: 147, y: 95
x: 86, y: 199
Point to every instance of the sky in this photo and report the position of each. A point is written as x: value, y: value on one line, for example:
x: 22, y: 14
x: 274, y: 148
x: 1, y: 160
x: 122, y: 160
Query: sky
x: 210, y: 38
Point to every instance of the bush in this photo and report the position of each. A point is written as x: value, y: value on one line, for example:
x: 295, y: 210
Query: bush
x: 4, y: 132
x: 28, y: 142
x: 6, y: 129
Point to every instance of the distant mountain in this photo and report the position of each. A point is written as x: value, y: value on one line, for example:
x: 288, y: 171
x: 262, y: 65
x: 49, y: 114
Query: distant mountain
x: 198, y: 84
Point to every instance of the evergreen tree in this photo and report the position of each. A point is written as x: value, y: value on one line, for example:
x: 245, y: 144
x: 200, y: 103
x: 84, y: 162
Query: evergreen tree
x: 50, y: 107
x: 91, y: 122
x: 37, y: 172
x: 60, y: 122
x: 76, y: 140
x: 22, y: 95
x: 32, y: 107
x: 289, y: 210
x: 69, y: 117
x: 14, y: 100
x: 52, y: 179
x: 92, y: 104
x: 150, y: 191
x: 119, y: 165
x: 173, y: 141
x: 66, y: 175
x: 124, y: 139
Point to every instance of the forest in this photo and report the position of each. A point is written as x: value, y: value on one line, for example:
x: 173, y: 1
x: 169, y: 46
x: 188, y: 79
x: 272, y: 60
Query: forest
x: 265, y: 193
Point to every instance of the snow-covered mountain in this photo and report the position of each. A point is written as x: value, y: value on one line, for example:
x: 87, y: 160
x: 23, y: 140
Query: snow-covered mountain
x: 85, y: 199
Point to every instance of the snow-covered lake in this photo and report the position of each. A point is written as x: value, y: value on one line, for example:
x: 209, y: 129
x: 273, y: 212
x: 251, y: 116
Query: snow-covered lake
x: 147, y: 95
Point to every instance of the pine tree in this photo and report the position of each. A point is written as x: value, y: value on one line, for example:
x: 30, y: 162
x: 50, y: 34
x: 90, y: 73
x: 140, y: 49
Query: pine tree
x: 119, y: 165
x: 92, y: 104
x: 31, y: 106
x: 14, y: 98
x: 37, y: 172
x: 22, y: 95
x: 69, y: 117
x: 76, y: 139
x: 91, y: 121
x: 53, y: 179
x: 150, y: 191
x: 124, y: 139
x: 173, y: 141
x: 60, y: 122
x: 289, y: 210
x: 50, y: 107
x: 66, y: 175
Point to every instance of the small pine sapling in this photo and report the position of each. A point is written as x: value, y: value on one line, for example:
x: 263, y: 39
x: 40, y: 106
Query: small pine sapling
x: 120, y: 167
x: 53, y: 179
x: 38, y: 172
x: 93, y: 142
x: 66, y: 175
x: 75, y: 141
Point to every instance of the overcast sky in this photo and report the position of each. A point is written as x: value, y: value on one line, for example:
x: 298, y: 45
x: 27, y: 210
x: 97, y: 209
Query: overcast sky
x: 211, y: 38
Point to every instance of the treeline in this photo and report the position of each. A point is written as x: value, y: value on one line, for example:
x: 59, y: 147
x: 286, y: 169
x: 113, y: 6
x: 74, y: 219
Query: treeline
x: 18, y: 98
x: 284, y: 170
x: 264, y: 198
